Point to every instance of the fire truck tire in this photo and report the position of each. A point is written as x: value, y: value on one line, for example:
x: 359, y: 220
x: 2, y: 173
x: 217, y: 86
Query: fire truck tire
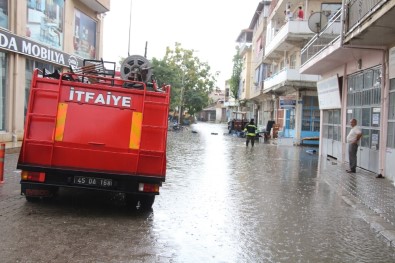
x: 146, y: 202
x: 32, y: 199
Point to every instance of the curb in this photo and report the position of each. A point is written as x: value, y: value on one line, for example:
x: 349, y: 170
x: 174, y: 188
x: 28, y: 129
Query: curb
x: 385, y: 230
x: 12, y: 150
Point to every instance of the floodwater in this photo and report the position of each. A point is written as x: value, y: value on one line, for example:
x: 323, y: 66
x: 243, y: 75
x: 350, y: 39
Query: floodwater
x: 221, y: 202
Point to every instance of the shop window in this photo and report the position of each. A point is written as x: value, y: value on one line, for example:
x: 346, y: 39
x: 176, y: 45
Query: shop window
x: 311, y: 114
x: 85, y: 36
x: 391, y: 116
x: 330, y: 132
x: 365, y: 117
x: 3, y: 90
x: 365, y: 139
x: 290, y: 119
x: 364, y: 104
x: 336, y: 117
x: 331, y: 124
x: 4, y: 13
x: 325, y: 130
x: 391, y: 135
x: 375, y: 139
x: 44, y: 22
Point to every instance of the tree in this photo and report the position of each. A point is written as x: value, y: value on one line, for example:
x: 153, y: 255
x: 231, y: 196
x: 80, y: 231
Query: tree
x: 191, y: 79
x: 235, y: 79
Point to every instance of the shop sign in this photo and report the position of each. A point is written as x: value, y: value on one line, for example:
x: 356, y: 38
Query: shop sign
x: 329, y: 93
x: 287, y: 102
x: 25, y: 46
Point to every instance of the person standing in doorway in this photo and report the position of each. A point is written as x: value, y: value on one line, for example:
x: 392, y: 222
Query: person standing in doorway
x: 353, y: 138
x: 250, y: 130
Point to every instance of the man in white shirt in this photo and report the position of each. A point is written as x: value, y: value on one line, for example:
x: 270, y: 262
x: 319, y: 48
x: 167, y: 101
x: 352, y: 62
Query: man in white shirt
x: 353, y: 141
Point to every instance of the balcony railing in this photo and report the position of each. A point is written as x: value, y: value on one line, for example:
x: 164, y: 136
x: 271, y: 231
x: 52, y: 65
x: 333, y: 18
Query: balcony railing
x: 359, y: 9
x: 288, y: 75
x: 330, y: 34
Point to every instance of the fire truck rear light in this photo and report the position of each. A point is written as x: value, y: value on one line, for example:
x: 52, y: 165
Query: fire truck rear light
x: 33, y: 176
x: 149, y: 188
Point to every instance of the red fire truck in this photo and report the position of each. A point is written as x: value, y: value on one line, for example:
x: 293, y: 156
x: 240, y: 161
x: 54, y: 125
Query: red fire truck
x: 87, y: 129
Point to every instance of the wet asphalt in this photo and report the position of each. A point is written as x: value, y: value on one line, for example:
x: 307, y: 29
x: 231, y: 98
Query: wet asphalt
x: 221, y: 202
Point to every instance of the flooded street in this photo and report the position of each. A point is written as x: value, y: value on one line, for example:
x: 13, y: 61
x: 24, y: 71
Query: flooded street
x: 221, y: 202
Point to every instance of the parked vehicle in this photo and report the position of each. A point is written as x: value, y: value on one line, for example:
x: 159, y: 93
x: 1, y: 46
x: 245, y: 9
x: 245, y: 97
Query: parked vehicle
x: 237, y: 123
x: 88, y: 130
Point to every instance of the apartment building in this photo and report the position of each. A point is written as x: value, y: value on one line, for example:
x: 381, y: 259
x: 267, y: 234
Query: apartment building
x: 50, y: 34
x: 277, y: 90
x: 295, y: 93
x: 251, y: 45
x: 357, y: 65
x: 245, y: 50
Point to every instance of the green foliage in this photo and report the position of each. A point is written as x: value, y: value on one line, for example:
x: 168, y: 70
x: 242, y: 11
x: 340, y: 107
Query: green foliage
x: 121, y: 59
x: 190, y: 79
x: 235, y: 79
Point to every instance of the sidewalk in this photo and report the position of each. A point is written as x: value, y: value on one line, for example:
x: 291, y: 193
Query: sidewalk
x: 373, y: 197
x: 13, y: 147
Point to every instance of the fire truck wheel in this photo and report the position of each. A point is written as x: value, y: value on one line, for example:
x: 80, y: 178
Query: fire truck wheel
x: 32, y: 199
x: 131, y: 200
x: 146, y: 202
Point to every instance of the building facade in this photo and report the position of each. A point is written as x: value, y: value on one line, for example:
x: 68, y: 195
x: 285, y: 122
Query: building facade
x: 278, y: 91
x: 358, y: 81
x: 43, y: 34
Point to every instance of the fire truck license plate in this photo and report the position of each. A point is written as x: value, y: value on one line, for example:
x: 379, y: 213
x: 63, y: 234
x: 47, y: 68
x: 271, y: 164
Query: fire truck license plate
x: 101, y: 182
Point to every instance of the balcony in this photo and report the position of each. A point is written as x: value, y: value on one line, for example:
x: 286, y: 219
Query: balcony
x: 289, y: 77
x: 291, y: 35
x: 256, y: 89
x: 327, y: 40
x: 325, y: 50
x: 370, y: 23
x: 99, y: 6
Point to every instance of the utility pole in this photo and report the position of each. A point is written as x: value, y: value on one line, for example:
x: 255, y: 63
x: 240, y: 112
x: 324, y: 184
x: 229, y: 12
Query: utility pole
x: 181, y: 96
x: 130, y: 25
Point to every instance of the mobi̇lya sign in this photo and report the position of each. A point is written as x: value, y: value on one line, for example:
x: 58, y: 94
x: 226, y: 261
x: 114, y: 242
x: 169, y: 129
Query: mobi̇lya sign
x: 14, y: 43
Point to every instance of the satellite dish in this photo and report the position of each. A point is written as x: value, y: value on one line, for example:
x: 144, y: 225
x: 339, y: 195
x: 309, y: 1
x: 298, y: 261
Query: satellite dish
x: 317, y: 21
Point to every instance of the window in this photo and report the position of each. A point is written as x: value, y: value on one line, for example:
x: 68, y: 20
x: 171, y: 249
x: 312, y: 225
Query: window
x: 310, y: 114
x: 85, y: 36
x: 3, y: 90
x: 292, y: 61
x: 391, y: 116
x: 44, y: 22
x: 282, y: 64
x: 364, y: 104
x: 290, y: 119
x: 331, y: 124
x: 330, y: 9
x: 4, y: 13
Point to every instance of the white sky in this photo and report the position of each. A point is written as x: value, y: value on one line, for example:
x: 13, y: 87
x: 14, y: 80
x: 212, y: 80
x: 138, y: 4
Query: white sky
x: 210, y: 27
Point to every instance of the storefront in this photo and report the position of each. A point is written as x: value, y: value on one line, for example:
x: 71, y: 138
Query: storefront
x: 47, y: 34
